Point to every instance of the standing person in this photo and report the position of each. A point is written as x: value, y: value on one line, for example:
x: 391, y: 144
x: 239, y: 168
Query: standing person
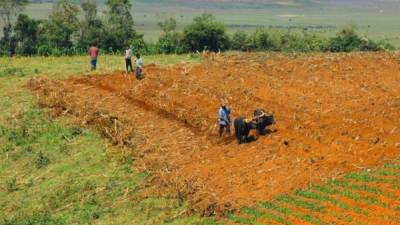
x: 224, y: 119
x: 128, y: 59
x: 139, y: 67
x: 93, y: 53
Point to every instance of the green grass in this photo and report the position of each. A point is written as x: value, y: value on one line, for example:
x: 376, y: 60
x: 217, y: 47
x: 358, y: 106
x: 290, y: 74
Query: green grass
x: 322, y: 198
x: 241, y: 220
x: 386, y: 172
x: 62, y: 67
x: 362, y: 187
x: 277, y: 206
x: 392, y: 166
x: 368, y: 177
x: 257, y: 213
x: 300, y: 203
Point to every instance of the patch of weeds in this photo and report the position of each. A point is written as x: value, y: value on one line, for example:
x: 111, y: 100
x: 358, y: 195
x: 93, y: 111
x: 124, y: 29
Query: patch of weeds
x: 339, y: 203
x: 357, y: 187
x: 72, y: 133
x: 383, y: 172
x: 28, y: 149
x: 36, y: 71
x: 111, y: 184
x: 7, y: 147
x: 362, y: 187
x: 273, y: 217
x: 374, y: 201
x: 26, y: 129
x: 91, y: 210
x: 12, y: 71
x: 341, y: 217
x: 41, y: 160
x: 366, y: 177
x: 361, y: 176
x: 286, y: 211
x: 360, y: 211
x: 392, y: 166
x: 30, y: 182
x: 322, y: 198
x: 89, y: 186
x: 210, y: 221
x: 11, y: 184
x: 238, y: 219
x: 40, y: 218
x: 342, y: 192
x: 269, y: 205
x: 194, y: 56
x: 300, y: 203
x: 396, y: 187
x: 351, y: 195
x: 69, y: 192
x: 310, y: 219
x: 64, y: 148
x: 368, y: 199
x: 31, y: 130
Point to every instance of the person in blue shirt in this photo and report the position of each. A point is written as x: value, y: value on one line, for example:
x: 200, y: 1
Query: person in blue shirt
x: 224, y: 119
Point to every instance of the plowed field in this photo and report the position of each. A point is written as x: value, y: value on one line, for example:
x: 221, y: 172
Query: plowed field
x: 335, y: 113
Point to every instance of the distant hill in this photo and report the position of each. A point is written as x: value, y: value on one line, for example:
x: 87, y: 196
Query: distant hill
x: 235, y: 3
x: 375, y: 18
x: 243, y: 2
x: 258, y: 3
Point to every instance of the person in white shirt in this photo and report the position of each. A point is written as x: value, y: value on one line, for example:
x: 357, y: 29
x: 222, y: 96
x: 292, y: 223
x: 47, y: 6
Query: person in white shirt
x: 139, y: 67
x: 128, y: 59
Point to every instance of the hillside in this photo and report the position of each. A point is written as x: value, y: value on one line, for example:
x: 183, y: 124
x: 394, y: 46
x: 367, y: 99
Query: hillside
x: 377, y: 19
x: 335, y: 114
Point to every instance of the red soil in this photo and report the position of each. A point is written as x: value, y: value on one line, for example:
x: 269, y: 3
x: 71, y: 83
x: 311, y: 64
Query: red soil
x: 337, y: 112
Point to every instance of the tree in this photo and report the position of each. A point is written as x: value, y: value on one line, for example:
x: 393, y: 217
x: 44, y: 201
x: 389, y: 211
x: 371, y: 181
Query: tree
x: 26, y: 35
x: 239, y: 41
x: 89, y: 8
x: 346, y: 40
x: 205, y: 33
x: 168, y: 25
x: 9, y: 9
x: 119, y: 26
x: 263, y: 39
x: 63, y: 25
x: 170, y: 41
x: 92, y: 28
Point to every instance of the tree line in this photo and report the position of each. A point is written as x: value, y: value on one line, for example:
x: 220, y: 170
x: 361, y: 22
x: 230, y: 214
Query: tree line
x: 71, y: 28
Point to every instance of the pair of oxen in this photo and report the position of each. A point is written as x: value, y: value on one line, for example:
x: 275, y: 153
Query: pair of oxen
x: 261, y: 119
